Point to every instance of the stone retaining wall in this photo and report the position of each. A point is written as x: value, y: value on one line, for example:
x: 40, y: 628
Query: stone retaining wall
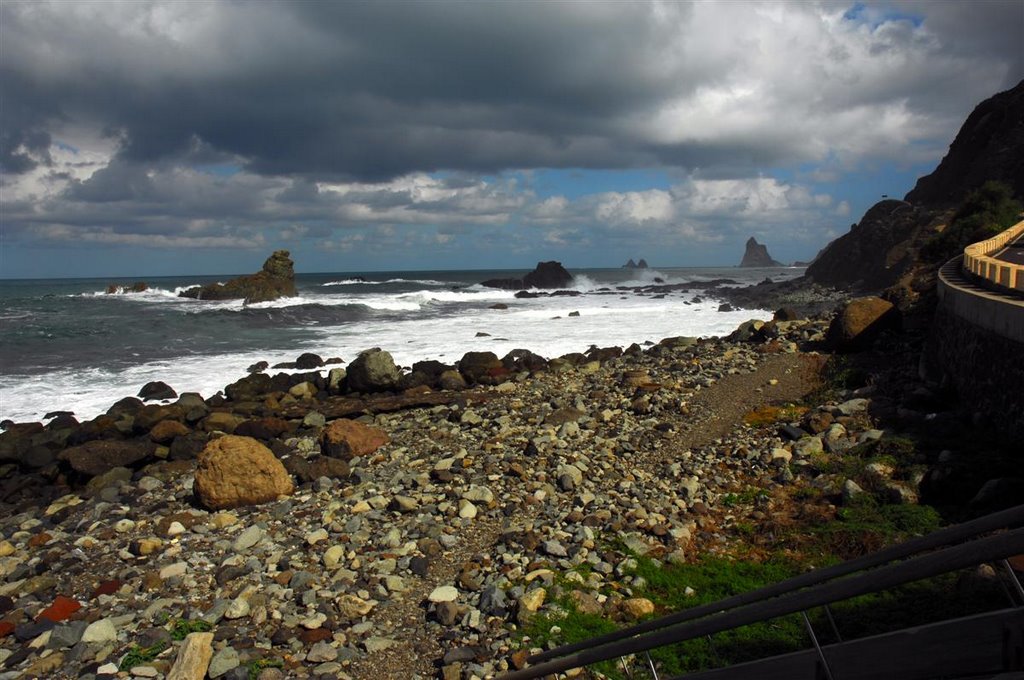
x: 977, y: 347
x: 1001, y: 274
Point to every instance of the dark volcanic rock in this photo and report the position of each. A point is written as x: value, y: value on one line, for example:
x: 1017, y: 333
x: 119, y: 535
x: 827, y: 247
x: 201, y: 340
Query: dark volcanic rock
x: 756, y: 255
x: 874, y: 253
x: 96, y: 457
x: 275, y: 280
x: 373, y: 371
x: 547, y: 275
x: 157, y: 390
x: 988, y: 147
x: 308, y: 360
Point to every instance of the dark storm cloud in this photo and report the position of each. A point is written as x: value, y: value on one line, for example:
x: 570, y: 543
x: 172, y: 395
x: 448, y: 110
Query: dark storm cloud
x: 377, y: 90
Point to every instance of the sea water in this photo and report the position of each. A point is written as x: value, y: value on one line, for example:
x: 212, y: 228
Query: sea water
x: 65, y: 344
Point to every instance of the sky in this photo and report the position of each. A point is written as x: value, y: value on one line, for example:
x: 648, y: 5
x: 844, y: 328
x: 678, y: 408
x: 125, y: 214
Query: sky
x: 151, y: 138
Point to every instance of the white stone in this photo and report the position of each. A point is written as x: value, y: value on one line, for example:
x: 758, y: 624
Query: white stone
x: 100, y: 631
x: 443, y: 594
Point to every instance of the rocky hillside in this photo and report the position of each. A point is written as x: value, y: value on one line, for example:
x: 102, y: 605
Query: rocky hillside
x: 883, y: 249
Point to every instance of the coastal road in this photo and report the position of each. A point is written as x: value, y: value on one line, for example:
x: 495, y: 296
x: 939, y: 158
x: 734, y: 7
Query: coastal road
x: 1013, y: 252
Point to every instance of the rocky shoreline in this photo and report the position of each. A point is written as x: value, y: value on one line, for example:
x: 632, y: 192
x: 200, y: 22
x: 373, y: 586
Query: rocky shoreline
x: 365, y: 522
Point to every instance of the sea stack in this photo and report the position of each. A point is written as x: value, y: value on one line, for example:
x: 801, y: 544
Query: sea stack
x: 275, y: 280
x: 547, y: 275
x: 756, y: 255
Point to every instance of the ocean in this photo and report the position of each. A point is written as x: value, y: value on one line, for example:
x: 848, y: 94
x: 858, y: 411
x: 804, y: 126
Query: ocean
x: 67, y: 345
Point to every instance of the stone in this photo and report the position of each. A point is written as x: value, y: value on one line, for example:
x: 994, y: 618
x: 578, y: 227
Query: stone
x: 62, y: 608
x: 347, y: 439
x: 263, y: 428
x: 100, y: 631
x: 858, y: 323
x: 851, y: 491
x: 546, y: 275
x: 223, y: 661
x: 351, y: 607
x: 637, y: 607
x: 372, y: 371
x: 99, y: 456
x: 320, y: 652
x: 532, y: 600
x: 308, y: 361
x: 193, y: 657
x: 165, y: 431
x: 443, y: 594
x: 482, y: 367
x: 236, y: 471
x: 157, y: 390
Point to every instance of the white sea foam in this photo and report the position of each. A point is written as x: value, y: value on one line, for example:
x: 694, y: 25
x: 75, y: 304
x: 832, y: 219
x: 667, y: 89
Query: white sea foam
x: 447, y: 328
x: 363, y: 282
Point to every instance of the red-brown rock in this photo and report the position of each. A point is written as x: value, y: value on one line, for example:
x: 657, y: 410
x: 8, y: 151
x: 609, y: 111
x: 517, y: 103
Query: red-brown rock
x: 6, y: 628
x: 235, y: 471
x: 347, y: 439
x: 61, y: 609
x: 107, y: 588
x: 263, y: 428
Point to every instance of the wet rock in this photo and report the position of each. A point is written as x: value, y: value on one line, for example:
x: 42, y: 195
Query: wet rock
x: 157, y: 390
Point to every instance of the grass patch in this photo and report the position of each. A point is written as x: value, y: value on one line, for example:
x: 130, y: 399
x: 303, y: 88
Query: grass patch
x: 138, y: 656
x: 180, y: 628
x: 867, y: 525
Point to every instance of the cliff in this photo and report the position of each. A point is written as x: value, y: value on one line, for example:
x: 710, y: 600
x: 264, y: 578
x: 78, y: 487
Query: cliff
x: 756, y: 255
x: 988, y: 147
x: 882, y: 250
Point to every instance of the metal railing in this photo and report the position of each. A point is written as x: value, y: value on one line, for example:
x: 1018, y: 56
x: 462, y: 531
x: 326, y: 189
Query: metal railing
x: 937, y: 553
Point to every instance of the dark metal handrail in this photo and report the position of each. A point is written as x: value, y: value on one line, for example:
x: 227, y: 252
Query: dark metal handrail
x: 758, y: 605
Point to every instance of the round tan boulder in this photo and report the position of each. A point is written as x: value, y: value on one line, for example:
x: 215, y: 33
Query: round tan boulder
x: 860, y: 321
x: 347, y: 439
x: 165, y: 431
x: 234, y: 471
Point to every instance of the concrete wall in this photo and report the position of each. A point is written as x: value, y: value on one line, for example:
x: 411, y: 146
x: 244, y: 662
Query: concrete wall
x: 977, y: 347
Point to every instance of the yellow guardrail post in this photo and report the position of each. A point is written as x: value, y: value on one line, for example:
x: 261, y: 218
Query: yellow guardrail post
x: 978, y: 260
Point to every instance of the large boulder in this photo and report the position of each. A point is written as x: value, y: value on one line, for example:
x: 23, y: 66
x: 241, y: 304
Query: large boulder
x: 756, y: 255
x: 235, y: 471
x: 157, y: 389
x: 372, y: 371
x: 548, y: 275
x: 482, y: 367
x: 348, y: 439
x: 275, y: 280
x: 99, y: 456
x: 858, y: 324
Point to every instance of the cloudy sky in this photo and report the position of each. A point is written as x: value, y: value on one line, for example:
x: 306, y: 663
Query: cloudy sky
x: 170, y: 137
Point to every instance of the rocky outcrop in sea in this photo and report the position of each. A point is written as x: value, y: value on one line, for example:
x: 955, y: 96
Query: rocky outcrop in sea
x: 756, y: 255
x: 548, y: 275
x: 275, y: 280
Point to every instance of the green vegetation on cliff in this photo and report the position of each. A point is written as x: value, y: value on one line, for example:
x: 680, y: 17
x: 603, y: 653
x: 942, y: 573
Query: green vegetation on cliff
x: 985, y: 212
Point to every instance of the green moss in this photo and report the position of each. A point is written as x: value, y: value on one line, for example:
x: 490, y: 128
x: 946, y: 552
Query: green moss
x: 985, y: 212
x: 180, y: 628
x: 866, y: 525
x: 137, y: 655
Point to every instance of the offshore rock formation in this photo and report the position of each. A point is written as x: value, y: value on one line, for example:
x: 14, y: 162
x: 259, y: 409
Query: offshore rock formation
x: 547, y: 275
x: 275, y: 280
x: 756, y: 255
x: 642, y: 264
